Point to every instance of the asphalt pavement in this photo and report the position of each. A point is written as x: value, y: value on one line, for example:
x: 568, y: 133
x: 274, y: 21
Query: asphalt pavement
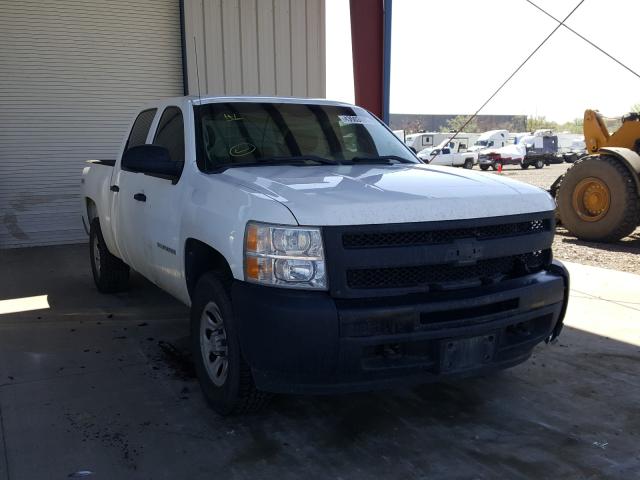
x: 102, y: 386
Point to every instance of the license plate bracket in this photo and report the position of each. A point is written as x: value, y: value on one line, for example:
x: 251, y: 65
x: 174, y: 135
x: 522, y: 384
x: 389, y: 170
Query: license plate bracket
x: 459, y: 354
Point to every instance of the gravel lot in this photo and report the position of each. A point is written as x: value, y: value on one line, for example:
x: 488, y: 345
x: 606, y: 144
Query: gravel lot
x: 622, y: 255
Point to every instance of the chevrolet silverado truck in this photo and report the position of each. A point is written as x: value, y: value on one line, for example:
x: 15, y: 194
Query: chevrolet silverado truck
x: 317, y: 253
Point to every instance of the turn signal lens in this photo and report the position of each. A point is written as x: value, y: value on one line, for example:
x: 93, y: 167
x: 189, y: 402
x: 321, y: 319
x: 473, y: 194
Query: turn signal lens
x: 252, y: 238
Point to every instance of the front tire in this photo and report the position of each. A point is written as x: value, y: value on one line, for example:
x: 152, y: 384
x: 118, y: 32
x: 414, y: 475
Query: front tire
x: 539, y: 164
x: 597, y: 199
x: 110, y: 274
x: 484, y: 167
x: 524, y: 166
x: 224, y: 375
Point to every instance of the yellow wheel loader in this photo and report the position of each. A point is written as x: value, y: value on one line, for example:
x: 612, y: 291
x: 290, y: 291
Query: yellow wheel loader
x: 598, y: 198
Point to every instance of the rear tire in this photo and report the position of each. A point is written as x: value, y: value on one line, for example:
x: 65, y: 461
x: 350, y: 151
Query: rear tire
x: 494, y: 165
x: 539, y: 164
x: 623, y: 207
x: 110, y: 274
x: 484, y: 167
x: 224, y: 375
x: 468, y: 164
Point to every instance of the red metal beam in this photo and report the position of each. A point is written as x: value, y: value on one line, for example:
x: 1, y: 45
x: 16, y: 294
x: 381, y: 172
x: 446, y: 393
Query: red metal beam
x: 367, y: 44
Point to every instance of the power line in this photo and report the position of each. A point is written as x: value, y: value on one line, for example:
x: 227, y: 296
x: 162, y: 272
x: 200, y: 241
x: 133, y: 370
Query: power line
x: 560, y: 24
x: 585, y: 39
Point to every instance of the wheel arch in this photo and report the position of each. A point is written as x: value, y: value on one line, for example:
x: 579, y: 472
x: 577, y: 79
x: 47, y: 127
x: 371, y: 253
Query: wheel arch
x: 90, y: 212
x: 200, y: 258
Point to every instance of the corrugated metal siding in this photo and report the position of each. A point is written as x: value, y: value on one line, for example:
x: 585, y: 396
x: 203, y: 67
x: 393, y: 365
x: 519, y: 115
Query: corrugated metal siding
x: 72, y: 74
x: 256, y: 47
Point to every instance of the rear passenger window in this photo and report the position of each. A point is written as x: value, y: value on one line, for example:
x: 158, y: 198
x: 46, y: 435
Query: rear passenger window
x: 170, y: 133
x: 140, y: 129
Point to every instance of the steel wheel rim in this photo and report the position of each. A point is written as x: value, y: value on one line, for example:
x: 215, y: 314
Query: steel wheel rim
x: 591, y: 199
x: 213, y: 344
x: 95, y: 250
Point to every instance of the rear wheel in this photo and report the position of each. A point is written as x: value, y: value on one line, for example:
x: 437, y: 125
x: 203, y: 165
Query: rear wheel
x: 597, y: 199
x: 539, y: 164
x: 225, y: 377
x: 110, y: 274
x: 494, y: 165
x: 468, y: 163
x: 484, y: 167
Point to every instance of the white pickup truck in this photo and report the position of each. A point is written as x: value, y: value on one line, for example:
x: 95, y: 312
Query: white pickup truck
x: 450, y: 153
x: 317, y: 253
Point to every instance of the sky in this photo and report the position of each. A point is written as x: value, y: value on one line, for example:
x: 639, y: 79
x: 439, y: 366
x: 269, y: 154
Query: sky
x: 448, y: 56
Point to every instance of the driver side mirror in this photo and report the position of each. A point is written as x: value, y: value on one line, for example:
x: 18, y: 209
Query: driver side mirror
x: 150, y: 159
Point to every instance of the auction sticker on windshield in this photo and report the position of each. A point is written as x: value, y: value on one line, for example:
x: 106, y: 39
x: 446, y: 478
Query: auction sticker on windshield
x: 354, y: 120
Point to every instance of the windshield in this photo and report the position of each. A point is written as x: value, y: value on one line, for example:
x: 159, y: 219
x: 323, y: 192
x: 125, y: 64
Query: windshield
x: 244, y: 133
x: 482, y: 143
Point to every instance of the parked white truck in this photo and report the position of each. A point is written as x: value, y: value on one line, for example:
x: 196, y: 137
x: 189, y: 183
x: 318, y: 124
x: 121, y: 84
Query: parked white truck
x: 450, y: 153
x: 491, y: 139
x: 317, y: 253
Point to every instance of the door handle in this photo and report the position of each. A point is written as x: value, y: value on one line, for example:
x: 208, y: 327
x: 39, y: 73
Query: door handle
x: 141, y: 197
x: 114, y: 188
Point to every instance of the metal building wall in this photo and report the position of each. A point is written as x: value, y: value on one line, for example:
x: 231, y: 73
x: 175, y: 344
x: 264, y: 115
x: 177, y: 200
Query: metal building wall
x: 256, y: 47
x: 72, y: 74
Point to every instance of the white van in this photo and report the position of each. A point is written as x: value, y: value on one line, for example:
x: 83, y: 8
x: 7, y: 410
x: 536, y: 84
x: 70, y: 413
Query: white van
x: 491, y: 139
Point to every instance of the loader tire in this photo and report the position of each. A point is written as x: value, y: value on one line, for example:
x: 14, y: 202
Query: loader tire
x: 597, y: 199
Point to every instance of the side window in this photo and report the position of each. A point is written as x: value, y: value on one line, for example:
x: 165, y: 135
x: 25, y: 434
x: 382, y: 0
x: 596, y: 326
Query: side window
x: 170, y: 133
x: 140, y: 128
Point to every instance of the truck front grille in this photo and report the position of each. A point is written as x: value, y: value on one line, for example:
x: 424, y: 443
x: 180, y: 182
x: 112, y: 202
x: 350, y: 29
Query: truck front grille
x: 436, y: 277
x: 422, y: 237
x: 396, y: 259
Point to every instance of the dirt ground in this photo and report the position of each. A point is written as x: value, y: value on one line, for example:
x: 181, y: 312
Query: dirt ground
x: 622, y: 255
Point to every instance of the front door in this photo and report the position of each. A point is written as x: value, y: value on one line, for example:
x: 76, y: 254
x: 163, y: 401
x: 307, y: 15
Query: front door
x: 164, y: 201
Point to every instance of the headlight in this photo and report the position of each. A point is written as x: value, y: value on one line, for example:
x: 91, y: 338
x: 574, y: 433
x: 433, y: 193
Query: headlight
x: 284, y: 256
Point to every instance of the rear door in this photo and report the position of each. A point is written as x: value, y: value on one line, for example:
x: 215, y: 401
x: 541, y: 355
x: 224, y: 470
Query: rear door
x: 128, y: 204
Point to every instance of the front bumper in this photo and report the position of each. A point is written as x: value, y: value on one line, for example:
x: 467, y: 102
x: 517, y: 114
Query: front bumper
x: 309, y: 342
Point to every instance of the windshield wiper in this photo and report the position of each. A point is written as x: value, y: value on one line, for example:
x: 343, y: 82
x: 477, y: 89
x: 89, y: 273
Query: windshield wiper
x: 297, y: 160
x: 382, y: 159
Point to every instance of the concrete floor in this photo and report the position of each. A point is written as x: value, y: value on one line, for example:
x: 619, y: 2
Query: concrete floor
x: 102, y: 384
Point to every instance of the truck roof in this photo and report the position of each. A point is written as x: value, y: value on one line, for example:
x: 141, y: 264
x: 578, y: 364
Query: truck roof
x: 204, y: 99
x: 490, y: 133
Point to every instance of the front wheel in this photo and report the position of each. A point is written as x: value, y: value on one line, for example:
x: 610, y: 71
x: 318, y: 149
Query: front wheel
x: 110, y: 274
x: 524, y: 166
x: 225, y: 377
x: 484, y: 167
x: 539, y: 164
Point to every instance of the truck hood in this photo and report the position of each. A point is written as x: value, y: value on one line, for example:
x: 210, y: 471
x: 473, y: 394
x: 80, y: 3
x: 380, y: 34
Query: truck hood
x: 365, y: 194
